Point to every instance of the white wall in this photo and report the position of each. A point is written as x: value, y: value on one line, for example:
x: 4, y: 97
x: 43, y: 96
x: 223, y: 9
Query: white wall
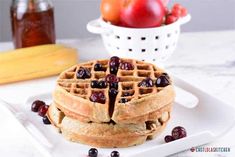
x: 72, y: 15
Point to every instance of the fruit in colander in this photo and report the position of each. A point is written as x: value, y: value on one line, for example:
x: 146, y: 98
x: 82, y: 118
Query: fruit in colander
x: 110, y: 10
x: 165, y: 2
x: 142, y: 13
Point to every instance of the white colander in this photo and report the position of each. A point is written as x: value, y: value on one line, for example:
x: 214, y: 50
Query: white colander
x: 147, y: 44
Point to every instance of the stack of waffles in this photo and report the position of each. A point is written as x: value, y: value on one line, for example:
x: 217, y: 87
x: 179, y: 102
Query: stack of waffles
x: 112, y: 103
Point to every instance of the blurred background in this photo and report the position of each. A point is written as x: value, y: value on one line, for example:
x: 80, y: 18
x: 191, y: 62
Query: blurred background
x: 71, y: 16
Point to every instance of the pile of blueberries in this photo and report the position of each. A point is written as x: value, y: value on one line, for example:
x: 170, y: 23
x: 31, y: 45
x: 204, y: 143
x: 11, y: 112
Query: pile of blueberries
x: 112, y: 80
x: 93, y: 152
x: 162, y: 81
x: 41, y: 108
x: 177, y: 133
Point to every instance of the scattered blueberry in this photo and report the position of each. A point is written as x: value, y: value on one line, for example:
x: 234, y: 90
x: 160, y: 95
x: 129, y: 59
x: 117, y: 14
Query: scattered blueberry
x: 126, y: 66
x: 167, y: 76
x: 98, y: 67
x: 115, y: 154
x: 178, y: 132
x: 83, y: 73
x: 111, y: 78
x: 93, y: 152
x: 36, y: 105
x: 169, y: 138
x: 123, y: 100
x: 94, y: 84
x: 98, y: 97
x: 43, y: 110
x: 162, y: 81
x: 113, y: 69
x: 46, y: 120
x: 102, y: 84
x: 148, y: 82
x: 114, y: 85
x: 114, y: 64
x: 114, y: 61
x: 98, y: 84
x: 113, y: 92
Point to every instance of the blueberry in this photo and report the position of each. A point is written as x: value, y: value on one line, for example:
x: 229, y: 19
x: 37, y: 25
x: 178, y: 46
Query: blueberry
x: 98, y: 67
x: 93, y: 152
x: 43, y: 110
x: 178, y: 132
x: 113, y: 92
x: 46, y: 120
x: 36, y: 105
x: 114, y: 64
x: 169, y: 138
x: 148, y: 82
x: 113, y: 69
x: 83, y: 73
x: 102, y: 84
x: 115, y: 154
x: 167, y: 76
x: 162, y: 81
x: 126, y: 66
x: 111, y: 78
x: 98, y: 97
x: 123, y: 100
x: 114, y: 61
x: 113, y: 85
x: 94, y: 84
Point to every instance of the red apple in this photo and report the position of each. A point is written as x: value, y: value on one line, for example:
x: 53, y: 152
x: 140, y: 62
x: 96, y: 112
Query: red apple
x: 142, y: 13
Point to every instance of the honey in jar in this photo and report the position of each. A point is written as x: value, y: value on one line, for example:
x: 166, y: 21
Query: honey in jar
x: 32, y: 23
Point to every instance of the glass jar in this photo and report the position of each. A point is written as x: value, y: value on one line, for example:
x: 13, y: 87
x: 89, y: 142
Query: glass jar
x: 32, y: 22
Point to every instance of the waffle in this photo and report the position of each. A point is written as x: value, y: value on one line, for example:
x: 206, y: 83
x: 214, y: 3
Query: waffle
x: 142, y: 116
x: 108, y: 134
x: 72, y: 94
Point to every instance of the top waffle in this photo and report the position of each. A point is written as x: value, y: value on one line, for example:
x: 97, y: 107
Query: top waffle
x: 121, y: 90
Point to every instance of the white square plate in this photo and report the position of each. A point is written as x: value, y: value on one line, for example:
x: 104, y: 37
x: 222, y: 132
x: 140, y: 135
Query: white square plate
x: 209, y: 120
